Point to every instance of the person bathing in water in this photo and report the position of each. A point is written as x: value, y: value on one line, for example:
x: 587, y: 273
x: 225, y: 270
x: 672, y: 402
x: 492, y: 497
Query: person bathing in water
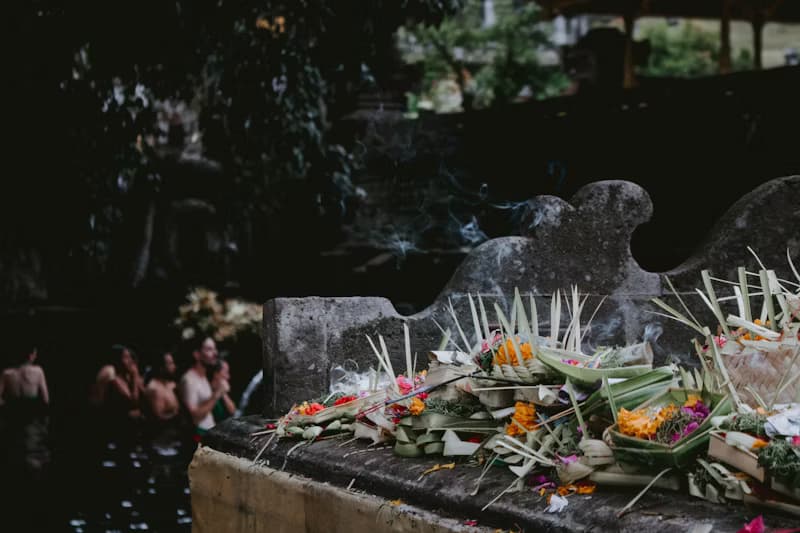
x: 196, y: 392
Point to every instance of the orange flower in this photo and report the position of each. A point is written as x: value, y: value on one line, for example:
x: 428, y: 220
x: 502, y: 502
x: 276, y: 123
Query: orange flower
x: 564, y: 490
x: 691, y: 400
x: 586, y: 487
x: 748, y: 336
x: 643, y: 423
x: 416, y: 407
x: 506, y: 355
x: 310, y: 408
x: 525, y: 414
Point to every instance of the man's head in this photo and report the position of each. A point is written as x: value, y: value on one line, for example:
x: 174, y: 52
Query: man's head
x: 205, y: 352
x: 167, y: 368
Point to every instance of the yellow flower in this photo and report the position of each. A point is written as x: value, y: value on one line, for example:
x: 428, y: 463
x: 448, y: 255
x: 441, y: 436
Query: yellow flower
x: 416, y: 407
x: 525, y: 414
x: 506, y: 355
x: 691, y: 400
x: 643, y: 423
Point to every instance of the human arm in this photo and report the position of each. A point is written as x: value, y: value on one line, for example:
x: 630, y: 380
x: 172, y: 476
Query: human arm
x: 198, y: 409
x: 124, y: 388
x: 230, y: 407
x: 135, y: 383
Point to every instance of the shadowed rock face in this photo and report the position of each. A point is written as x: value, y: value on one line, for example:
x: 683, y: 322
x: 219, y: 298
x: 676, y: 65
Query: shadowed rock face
x: 583, y: 242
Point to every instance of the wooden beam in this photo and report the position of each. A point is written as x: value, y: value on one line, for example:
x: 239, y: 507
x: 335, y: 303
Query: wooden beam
x: 757, y: 23
x: 725, y: 64
x: 629, y: 76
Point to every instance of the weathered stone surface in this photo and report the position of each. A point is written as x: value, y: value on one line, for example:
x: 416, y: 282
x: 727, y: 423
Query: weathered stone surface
x: 584, y: 242
x: 305, y: 337
x: 229, y: 494
x: 447, y: 492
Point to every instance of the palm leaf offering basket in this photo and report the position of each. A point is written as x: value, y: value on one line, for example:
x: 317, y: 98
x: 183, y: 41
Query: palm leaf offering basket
x: 681, y: 453
x: 756, y: 351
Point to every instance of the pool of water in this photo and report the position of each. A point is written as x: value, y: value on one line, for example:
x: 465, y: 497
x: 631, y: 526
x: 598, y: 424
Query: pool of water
x: 93, y: 483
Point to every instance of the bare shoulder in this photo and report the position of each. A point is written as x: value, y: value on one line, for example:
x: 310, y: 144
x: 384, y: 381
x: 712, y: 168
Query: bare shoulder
x: 153, y: 388
x: 106, y: 374
x: 189, y: 378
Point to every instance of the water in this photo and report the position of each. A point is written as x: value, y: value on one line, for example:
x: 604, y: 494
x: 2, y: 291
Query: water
x: 96, y: 484
x: 135, y: 486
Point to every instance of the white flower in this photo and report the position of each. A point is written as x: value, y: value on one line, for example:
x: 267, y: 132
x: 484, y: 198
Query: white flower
x: 187, y: 333
x: 557, y: 504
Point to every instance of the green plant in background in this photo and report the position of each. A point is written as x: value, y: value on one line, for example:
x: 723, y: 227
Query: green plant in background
x: 686, y: 51
x: 468, y: 64
x: 264, y: 81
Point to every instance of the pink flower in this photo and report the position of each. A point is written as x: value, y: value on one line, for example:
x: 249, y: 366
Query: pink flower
x: 541, y: 482
x: 470, y: 522
x: 796, y: 440
x: 487, y: 345
x: 720, y: 340
x: 569, y: 459
x: 699, y: 410
x: 404, y: 384
x: 755, y: 526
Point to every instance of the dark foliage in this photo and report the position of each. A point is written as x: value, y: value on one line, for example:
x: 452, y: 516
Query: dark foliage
x: 99, y: 100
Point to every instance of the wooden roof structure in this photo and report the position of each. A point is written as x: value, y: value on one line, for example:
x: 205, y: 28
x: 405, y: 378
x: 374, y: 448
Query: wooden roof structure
x: 772, y: 10
x: 757, y: 12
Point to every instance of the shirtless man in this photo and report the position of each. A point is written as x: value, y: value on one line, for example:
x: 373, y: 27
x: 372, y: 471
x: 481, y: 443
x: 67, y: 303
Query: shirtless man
x: 26, y: 381
x: 196, y: 392
x: 160, y: 392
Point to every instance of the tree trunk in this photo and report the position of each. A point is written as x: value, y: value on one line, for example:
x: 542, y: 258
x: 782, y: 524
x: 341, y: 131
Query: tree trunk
x: 142, y: 260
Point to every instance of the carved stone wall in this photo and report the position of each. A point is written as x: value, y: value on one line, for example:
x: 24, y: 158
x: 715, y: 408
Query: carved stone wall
x: 583, y: 242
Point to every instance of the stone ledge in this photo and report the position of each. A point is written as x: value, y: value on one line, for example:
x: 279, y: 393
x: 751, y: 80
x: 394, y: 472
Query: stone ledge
x: 382, y: 474
x: 230, y: 494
